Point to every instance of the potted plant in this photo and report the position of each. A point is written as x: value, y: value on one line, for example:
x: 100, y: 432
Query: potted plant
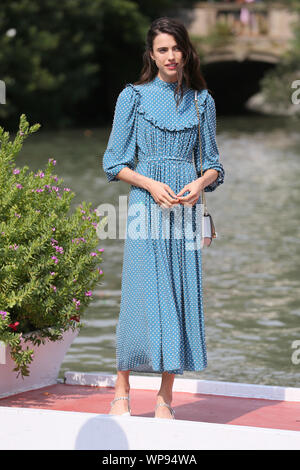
x: 49, y: 261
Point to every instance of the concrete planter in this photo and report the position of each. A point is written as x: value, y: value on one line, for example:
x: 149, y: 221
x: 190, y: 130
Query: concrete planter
x: 44, y: 368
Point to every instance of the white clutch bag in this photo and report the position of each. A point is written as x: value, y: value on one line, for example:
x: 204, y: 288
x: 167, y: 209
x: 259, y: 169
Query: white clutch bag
x: 208, y: 230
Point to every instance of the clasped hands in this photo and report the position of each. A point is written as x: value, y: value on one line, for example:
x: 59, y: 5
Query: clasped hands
x: 165, y: 197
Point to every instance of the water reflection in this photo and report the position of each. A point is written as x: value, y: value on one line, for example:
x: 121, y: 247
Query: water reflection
x: 251, y: 271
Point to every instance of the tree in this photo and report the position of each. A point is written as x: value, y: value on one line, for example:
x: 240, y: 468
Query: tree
x: 48, y: 57
x: 63, y: 62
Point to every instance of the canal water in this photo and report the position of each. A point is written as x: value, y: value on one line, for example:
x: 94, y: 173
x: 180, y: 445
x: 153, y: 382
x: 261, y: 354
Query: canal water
x: 251, y: 272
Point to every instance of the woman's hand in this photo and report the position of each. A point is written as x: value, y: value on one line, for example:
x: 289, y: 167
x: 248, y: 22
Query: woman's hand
x: 195, y: 188
x: 161, y: 194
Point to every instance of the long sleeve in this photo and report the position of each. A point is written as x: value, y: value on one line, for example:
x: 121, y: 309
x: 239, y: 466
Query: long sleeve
x: 121, y: 148
x: 210, y: 152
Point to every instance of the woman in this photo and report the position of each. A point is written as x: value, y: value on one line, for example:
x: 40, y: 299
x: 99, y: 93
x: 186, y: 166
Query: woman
x: 161, y: 321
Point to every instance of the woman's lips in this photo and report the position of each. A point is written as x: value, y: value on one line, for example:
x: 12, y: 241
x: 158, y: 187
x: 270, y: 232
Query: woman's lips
x: 171, y: 66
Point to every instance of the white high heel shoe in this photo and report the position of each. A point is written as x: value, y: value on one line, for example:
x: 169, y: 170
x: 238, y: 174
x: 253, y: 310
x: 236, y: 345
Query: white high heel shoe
x: 127, y: 413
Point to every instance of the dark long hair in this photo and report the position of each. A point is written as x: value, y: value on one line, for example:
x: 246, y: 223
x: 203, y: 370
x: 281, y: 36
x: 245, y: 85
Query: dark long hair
x: 189, y: 69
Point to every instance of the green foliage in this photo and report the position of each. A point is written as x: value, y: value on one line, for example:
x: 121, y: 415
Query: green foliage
x: 63, y: 62
x: 276, y: 83
x: 48, y: 58
x: 48, y: 258
x: 277, y: 89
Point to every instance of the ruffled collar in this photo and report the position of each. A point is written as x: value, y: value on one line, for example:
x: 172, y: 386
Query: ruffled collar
x: 160, y: 110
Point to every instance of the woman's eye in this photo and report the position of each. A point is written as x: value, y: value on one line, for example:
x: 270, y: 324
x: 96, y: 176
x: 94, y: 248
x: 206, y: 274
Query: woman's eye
x: 165, y: 50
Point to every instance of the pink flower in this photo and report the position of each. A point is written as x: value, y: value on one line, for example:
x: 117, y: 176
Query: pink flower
x: 19, y: 186
x: 99, y: 271
x: 93, y: 253
x: 77, y: 302
x: 55, y: 259
x: 53, y: 229
x: 88, y: 293
x: 67, y: 189
x: 54, y: 288
x: 101, y: 249
x: 51, y: 160
x: 52, y: 273
x: 3, y: 313
x: 16, y: 171
x: 15, y: 247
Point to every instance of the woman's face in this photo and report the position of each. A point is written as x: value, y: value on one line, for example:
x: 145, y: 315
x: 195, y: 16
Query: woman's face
x: 167, y: 56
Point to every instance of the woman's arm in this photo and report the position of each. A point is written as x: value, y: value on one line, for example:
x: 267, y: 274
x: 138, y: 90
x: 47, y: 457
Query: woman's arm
x: 122, y: 144
x: 209, y: 149
x: 208, y: 178
x: 134, y: 178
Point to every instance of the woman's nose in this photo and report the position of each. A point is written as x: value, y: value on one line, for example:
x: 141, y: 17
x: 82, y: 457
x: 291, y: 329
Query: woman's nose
x: 171, y: 55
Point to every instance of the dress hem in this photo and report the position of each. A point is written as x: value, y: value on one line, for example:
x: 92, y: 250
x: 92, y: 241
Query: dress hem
x: 160, y: 371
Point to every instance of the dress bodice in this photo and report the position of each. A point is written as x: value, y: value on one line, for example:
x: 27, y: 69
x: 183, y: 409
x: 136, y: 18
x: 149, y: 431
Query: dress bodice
x: 148, y: 127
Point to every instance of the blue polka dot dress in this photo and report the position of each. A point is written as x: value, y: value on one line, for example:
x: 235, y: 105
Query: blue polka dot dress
x: 161, y: 321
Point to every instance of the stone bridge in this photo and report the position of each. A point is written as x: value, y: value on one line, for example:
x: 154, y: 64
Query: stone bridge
x: 237, y: 44
x: 231, y: 31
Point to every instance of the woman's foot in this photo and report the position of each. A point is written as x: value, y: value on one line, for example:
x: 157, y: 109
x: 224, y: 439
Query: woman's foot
x: 163, y: 411
x: 119, y: 407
